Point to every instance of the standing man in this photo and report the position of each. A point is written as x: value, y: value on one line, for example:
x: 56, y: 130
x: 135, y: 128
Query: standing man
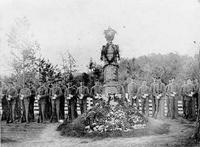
x: 143, y: 94
x: 189, y: 92
x: 71, y: 98
x: 42, y: 95
x: 96, y: 92
x: 159, y: 97
x: 153, y: 96
x: 25, y: 94
x: 55, y: 95
x: 167, y: 97
x: 62, y: 99
x: 172, y: 93
x: 32, y: 100
x: 183, y: 95
x: 132, y: 89
x: 82, y: 93
x: 4, y: 103
x: 12, y: 95
x: 196, y: 94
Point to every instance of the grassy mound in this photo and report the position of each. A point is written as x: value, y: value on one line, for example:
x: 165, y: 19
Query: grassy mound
x: 104, y: 120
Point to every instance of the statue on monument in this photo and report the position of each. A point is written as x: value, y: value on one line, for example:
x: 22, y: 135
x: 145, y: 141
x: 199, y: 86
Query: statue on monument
x: 110, y: 56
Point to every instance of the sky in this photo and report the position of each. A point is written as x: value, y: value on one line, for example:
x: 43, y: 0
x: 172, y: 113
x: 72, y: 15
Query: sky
x: 143, y: 27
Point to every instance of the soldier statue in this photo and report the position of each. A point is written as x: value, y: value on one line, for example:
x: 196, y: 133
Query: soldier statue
x: 110, y: 56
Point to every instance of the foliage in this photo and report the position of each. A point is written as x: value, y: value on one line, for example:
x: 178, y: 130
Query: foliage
x: 24, y: 51
x: 157, y: 65
x: 47, y: 72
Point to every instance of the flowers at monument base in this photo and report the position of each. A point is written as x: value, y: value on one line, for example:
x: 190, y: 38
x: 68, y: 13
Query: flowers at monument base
x: 104, y: 120
x: 117, y: 119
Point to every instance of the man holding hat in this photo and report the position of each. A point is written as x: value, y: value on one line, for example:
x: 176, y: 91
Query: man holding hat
x: 42, y: 95
x: 82, y: 92
x: 12, y: 98
x: 143, y: 94
x: 55, y: 95
x: 25, y: 94
x: 71, y: 98
x: 96, y: 92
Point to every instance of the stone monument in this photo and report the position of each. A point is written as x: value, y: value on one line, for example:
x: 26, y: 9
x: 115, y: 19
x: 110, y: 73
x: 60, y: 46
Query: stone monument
x: 110, y: 56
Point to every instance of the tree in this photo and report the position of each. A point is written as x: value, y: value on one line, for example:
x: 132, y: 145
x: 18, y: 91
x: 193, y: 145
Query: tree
x: 24, y: 50
x: 68, y: 65
x: 196, y: 134
x: 47, y: 71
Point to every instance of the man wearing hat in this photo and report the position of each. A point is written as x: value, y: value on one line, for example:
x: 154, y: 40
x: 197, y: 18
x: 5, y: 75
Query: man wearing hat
x: 189, y: 92
x: 71, y: 98
x: 143, y: 94
x: 96, y: 92
x: 55, y: 95
x: 62, y: 99
x: 183, y: 95
x: 4, y: 103
x: 42, y: 95
x: 172, y: 93
x: 153, y: 96
x: 132, y: 93
x: 82, y: 93
x: 12, y: 98
x: 32, y: 100
x: 25, y: 94
x: 159, y: 97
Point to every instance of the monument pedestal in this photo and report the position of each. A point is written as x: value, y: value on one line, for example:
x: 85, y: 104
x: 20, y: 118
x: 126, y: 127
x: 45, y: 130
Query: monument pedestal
x: 111, y: 85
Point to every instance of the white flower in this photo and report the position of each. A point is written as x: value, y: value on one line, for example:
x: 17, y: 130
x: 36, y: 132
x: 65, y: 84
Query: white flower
x: 54, y: 97
x: 21, y: 97
x: 145, y: 95
x: 134, y: 97
x: 38, y: 97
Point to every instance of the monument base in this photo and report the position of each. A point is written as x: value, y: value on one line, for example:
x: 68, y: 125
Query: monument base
x: 112, y: 88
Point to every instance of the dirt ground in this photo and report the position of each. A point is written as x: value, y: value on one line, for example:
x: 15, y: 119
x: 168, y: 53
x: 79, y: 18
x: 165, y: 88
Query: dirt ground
x: 45, y: 135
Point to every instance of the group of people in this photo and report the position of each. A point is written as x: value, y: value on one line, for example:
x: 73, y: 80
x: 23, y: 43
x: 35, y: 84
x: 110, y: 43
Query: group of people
x: 51, y: 97
x: 161, y: 94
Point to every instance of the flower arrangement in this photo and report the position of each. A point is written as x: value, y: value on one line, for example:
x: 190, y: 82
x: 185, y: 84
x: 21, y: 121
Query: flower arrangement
x: 105, y: 120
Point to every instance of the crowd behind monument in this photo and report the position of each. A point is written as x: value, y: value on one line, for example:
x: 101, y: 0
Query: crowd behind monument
x: 18, y: 102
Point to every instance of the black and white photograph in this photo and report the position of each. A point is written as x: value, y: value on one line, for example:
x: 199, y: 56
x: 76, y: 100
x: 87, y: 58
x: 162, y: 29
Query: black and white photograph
x: 100, y: 73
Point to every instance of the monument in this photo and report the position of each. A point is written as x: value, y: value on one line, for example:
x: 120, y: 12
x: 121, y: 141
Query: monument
x: 110, y: 56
